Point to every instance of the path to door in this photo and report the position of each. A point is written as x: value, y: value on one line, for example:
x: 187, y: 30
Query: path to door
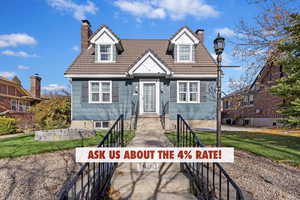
x: 132, y: 181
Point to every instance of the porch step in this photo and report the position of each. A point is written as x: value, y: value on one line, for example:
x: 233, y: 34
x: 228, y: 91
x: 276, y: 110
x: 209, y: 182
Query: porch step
x: 149, y: 122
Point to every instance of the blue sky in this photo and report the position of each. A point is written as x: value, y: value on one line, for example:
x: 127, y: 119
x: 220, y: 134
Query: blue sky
x: 43, y: 36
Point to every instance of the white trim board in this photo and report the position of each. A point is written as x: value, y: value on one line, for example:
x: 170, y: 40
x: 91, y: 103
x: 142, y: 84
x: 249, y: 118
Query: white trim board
x: 185, y: 37
x: 106, y: 35
x: 126, y: 76
x: 149, y: 64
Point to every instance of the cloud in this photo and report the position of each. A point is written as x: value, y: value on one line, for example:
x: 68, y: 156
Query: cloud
x: 8, y: 74
x: 15, y: 39
x: 140, y: 9
x: 160, y: 9
x: 78, y: 11
x: 75, y: 48
x: 226, y: 32
x: 23, y: 67
x: 54, y: 87
x: 18, y: 53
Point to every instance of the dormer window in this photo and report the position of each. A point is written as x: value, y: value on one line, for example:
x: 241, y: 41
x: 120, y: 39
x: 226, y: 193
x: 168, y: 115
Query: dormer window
x: 105, y: 53
x: 184, y: 53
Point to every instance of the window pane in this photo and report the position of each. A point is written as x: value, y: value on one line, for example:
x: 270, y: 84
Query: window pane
x: 182, y: 96
x: 193, y: 87
x: 105, y: 97
x: 95, y: 97
x: 184, y: 52
x: 105, y: 57
x: 105, y: 124
x: 105, y: 48
x: 182, y: 87
x: 193, y: 97
x: 105, y: 87
x: 95, y: 87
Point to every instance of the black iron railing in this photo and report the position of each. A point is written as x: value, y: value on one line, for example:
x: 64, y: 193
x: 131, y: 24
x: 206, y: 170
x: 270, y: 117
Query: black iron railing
x: 93, y: 179
x: 208, y: 180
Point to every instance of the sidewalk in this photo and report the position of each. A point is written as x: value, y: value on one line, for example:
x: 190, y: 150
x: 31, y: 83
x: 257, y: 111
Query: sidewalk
x: 158, y: 182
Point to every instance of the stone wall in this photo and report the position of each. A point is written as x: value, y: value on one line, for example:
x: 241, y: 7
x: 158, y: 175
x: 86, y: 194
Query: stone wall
x: 64, y: 134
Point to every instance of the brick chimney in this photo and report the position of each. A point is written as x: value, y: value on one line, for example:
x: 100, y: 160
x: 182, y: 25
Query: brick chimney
x: 35, y: 86
x: 200, y: 34
x: 85, y: 34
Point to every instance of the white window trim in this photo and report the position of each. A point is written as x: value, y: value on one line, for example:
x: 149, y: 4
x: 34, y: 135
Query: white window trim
x: 100, y: 92
x: 191, y: 52
x: 111, y: 52
x: 188, y: 92
x: 101, y: 122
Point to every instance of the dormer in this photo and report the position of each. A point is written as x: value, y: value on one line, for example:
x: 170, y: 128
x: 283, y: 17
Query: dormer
x: 183, y: 45
x: 107, y: 45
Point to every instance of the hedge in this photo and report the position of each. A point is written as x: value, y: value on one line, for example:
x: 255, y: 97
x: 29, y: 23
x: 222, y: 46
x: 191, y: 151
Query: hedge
x: 7, y: 125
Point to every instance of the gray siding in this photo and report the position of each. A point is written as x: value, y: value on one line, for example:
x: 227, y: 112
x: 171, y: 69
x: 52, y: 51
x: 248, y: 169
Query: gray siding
x: 124, y: 97
x: 82, y: 110
x: 205, y: 110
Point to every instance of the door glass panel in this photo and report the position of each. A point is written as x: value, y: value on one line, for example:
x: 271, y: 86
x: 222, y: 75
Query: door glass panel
x: 149, y: 97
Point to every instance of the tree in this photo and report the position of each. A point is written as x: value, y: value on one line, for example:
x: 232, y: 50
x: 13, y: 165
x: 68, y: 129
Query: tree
x: 289, y: 87
x: 53, y: 113
x: 256, y: 43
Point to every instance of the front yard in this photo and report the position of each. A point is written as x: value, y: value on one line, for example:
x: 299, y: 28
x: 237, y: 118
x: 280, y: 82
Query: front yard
x: 26, y: 145
x: 284, y: 149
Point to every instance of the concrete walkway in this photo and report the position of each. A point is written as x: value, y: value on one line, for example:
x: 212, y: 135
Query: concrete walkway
x: 137, y: 181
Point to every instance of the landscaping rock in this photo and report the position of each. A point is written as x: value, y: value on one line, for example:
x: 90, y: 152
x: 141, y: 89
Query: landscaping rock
x: 64, y: 134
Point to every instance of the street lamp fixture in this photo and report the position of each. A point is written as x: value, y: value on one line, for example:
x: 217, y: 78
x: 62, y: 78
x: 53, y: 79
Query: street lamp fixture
x: 219, y: 44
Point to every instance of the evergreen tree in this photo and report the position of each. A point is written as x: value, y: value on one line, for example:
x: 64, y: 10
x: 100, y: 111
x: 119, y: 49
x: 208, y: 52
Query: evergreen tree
x: 289, y: 87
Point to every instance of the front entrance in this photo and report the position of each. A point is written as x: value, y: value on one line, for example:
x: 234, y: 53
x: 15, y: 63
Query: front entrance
x: 149, y: 97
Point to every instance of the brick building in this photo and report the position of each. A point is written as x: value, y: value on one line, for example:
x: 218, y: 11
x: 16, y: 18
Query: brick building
x: 254, y: 105
x: 15, y: 100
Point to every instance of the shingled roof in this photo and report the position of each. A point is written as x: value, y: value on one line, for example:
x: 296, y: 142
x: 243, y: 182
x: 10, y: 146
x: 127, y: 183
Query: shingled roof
x: 135, y: 48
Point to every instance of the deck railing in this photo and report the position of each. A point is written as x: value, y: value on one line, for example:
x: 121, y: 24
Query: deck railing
x: 93, y: 179
x: 208, y: 180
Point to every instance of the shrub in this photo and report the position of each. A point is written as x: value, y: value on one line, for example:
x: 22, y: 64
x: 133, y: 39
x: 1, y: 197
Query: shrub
x: 7, y: 125
x: 53, y: 113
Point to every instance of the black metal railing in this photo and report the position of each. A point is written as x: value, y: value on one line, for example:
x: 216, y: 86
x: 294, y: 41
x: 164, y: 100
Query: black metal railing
x: 93, y: 179
x: 208, y: 180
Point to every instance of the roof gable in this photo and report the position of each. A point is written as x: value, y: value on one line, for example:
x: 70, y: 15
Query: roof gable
x: 149, y: 64
x: 104, y: 35
x: 184, y: 36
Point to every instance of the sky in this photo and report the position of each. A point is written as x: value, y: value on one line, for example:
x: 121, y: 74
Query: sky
x: 43, y: 36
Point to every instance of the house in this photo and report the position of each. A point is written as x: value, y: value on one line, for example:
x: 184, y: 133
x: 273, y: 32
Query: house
x: 15, y: 100
x: 254, y: 105
x: 142, y: 78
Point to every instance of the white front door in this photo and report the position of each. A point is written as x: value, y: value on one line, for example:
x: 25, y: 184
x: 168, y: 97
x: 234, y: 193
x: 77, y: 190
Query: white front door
x: 149, y: 96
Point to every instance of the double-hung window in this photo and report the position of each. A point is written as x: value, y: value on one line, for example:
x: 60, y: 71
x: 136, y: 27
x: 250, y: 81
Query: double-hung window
x: 100, y: 92
x: 184, y: 53
x: 14, y: 105
x: 105, y: 52
x: 188, y: 91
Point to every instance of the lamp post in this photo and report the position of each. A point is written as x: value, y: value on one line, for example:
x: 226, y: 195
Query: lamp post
x: 219, y: 44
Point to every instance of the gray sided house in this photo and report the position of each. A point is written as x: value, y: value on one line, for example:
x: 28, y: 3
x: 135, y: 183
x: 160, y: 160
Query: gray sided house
x: 142, y: 78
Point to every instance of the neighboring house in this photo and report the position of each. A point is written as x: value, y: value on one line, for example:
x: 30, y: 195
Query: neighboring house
x: 15, y: 100
x: 255, y: 105
x: 142, y: 78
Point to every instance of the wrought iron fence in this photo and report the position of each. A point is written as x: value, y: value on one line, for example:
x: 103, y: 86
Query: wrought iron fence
x: 93, y: 179
x: 208, y: 180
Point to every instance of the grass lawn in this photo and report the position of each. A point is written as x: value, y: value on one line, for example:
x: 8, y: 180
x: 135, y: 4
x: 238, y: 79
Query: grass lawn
x: 26, y: 145
x: 279, y: 148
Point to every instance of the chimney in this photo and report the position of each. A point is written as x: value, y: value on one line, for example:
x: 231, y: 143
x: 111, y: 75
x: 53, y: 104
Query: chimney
x: 200, y: 34
x: 35, y: 84
x: 85, y: 34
